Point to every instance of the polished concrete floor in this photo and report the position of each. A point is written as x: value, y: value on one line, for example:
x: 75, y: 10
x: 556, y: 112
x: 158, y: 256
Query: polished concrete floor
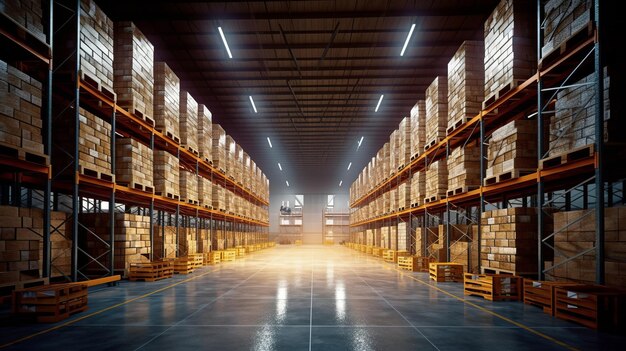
x: 301, y: 298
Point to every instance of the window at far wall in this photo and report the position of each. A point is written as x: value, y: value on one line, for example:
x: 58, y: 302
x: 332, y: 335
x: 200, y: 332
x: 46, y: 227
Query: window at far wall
x: 330, y: 202
x: 299, y: 201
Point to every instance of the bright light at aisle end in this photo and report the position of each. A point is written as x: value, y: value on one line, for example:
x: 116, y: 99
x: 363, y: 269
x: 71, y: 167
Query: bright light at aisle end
x: 349, y: 165
x: 279, y: 166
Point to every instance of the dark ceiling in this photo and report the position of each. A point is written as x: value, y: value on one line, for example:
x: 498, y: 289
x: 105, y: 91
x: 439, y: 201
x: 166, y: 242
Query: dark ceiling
x: 315, y: 69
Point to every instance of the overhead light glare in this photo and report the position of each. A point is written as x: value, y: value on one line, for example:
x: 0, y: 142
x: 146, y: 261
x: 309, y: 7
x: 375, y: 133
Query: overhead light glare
x: 279, y: 166
x: 340, y: 182
x: 408, y: 37
x: 225, y: 42
x: 349, y: 165
x: 253, y: 105
x: 359, y: 143
x: 287, y: 182
x: 269, y: 142
x: 379, y: 101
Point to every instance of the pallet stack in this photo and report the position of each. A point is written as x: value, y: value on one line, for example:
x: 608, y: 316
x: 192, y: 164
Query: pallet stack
x: 205, y: 132
x: 418, y: 128
x: 50, y: 303
x: 404, y: 195
x: 166, y: 101
x: 188, y: 117
x: 231, y: 148
x: 20, y: 114
x: 219, y: 147
x: 164, y: 242
x: 403, y: 237
x: 464, y: 169
x: 418, y: 188
x: 404, y: 151
x: 134, y: 166
x: 246, y: 170
x: 576, y: 232
x: 436, y: 181
x: 238, y: 161
x: 96, y: 47
x: 386, y: 161
x: 510, y: 47
x: 205, y: 192
x: 94, y: 146
x: 134, y: 71
x: 219, y: 198
x: 463, y: 246
x: 563, y: 19
x: 187, y: 243
x: 427, y: 244
x: 509, y: 240
x: 188, y: 185
x: 28, y: 14
x: 436, y: 111
x: 393, y: 200
x: 466, y: 79
x: 166, y: 174
x: 204, y: 240
x: 394, y: 153
x: 512, y: 151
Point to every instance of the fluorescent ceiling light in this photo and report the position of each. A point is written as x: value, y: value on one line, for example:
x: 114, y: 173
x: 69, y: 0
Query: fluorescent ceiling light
x: 279, y: 166
x: 408, y: 37
x: 269, y: 141
x: 225, y: 42
x: 349, y: 165
x: 340, y: 182
x: 287, y: 182
x: 359, y: 143
x: 379, y: 101
x: 253, y: 106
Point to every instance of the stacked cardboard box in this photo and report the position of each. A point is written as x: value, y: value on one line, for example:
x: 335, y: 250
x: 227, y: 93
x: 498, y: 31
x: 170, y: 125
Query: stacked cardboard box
x: 204, y: 240
x: 576, y: 232
x: 404, y: 195
x: 418, y: 188
x: 463, y: 246
x: 219, y: 147
x: 219, y: 197
x: 394, y: 152
x: 253, y: 177
x: 166, y: 101
x: 164, y: 242
x: 96, y: 45
x: 188, y: 122
x: 205, y: 132
x: 509, y: 240
x: 393, y: 200
x: 436, y: 111
x: 238, y: 164
x: 246, y: 170
x: 27, y: 13
x: 20, y: 110
x: 466, y: 79
x: 510, y: 46
x: 564, y: 18
x: 205, y: 190
x: 418, y: 128
x: 132, y: 239
x: 464, y: 168
x: 166, y: 174
x: 187, y: 241
x: 403, y: 236
x: 134, y: 164
x: 512, y: 151
x: 231, y: 148
x: 134, y: 70
x: 188, y: 185
x: 404, y: 147
x: 384, y: 237
x: 436, y: 180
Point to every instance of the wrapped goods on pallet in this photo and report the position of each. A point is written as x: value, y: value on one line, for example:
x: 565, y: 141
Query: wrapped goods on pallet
x: 384, y: 237
x: 404, y: 242
x: 21, y: 244
x: 134, y: 164
x: 238, y: 164
x: 246, y: 170
x: 510, y: 47
x: 219, y: 147
x: 404, y: 143
x: 509, y: 240
x: 436, y: 181
x: 418, y: 188
x: 164, y: 242
x: 188, y: 117
x: 134, y: 71
x: 166, y: 101
x: 253, y: 170
x: 386, y: 205
x: 404, y: 195
x: 512, y: 151
x: 382, y: 164
x: 20, y: 114
x: 132, y: 240
x: 96, y: 47
x: 205, y: 192
x: 231, y: 147
x: 187, y: 241
x: 394, y: 151
x: 219, y: 197
x: 575, y: 233
x: 436, y: 111
x: 463, y: 246
x: 393, y: 200
x: 166, y: 174
x: 205, y: 133
x: 466, y: 79
x: 418, y: 128
x: 565, y: 19
x: 26, y: 13
x: 188, y: 185
x: 393, y: 237
x: 464, y: 169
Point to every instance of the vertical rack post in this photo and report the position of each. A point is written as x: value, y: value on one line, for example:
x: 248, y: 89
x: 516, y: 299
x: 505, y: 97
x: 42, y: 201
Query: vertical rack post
x: 46, y: 254
x: 599, y: 124
x: 540, y: 151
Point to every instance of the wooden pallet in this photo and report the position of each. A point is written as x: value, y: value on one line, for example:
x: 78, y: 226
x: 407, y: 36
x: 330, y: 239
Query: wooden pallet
x: 489, y: 100
x: 461, y: 121
x: 190, y: 201
x: 415, y: 156
x: 445, y: 271
x: 211, y: 258
x: 136, y: 186
x: 241, y: 251
x: 593, y: 306
x: 170, y: 135
x: 6, y: 289
x: 377, y: 251
x: 568, y: 156
x: 541, y: 293
x: 461, y: 190
x: 434, y: 198
x: 183, y: 265
x: 129, y: 107
x: 168, y: 195
x: 414, y: 263
x: 400, y: 209
x: 392, y: 255
x: 20, y: 153
x: 197, y: 259
x: 86, y: 171
x: 150, y: 271
x: 229, y: 255
x: 493, y: 287
x: 50, y: 303
x: 191, y: 149
x: 97, y: 84
x: 415, y: 204
x: 432, y: 143
x: 516, y: 173
x: 369, y: 249
x: 572, y: 42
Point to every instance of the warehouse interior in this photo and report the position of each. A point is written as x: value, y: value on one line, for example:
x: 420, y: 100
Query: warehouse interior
x: 312, y: 175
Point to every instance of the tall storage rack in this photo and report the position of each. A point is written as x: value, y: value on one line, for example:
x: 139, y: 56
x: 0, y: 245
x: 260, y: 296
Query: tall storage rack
x: 67, y: 187
x: 581, y: 176
x: 335, y: 226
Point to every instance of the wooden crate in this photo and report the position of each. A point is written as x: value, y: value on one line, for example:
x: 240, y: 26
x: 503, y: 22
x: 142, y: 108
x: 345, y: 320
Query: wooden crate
x: 188, y: 122
x: 466, y: 79
x: 212, y: 258
x: 542, y: 293
x: 205, y: 133
x: 392, y: 255
x: 197, y: 259
x: 436, y: 181
x: 134, y: 165
x: 50, y: 303
x: 436, y: 111
x: 414, y: 263
x: 377, y: 251
x: 28, y: 14
x: 219, y: 147
x: 445, y: 271
x: 493, y: 287
x: 150, y: 271
x: 229, y: 255
x: 594, y: 306
x: 166, y: 101
x: 183, y: 265
x: 96, y: 47
x: 512, y: 151
x: 134, y: 71
x: 166, y: 175
x: 241, y: 251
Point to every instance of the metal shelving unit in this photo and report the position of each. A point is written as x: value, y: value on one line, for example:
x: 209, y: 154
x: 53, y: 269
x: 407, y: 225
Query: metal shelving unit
x: 338, y: 223
x: 290, y: 227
